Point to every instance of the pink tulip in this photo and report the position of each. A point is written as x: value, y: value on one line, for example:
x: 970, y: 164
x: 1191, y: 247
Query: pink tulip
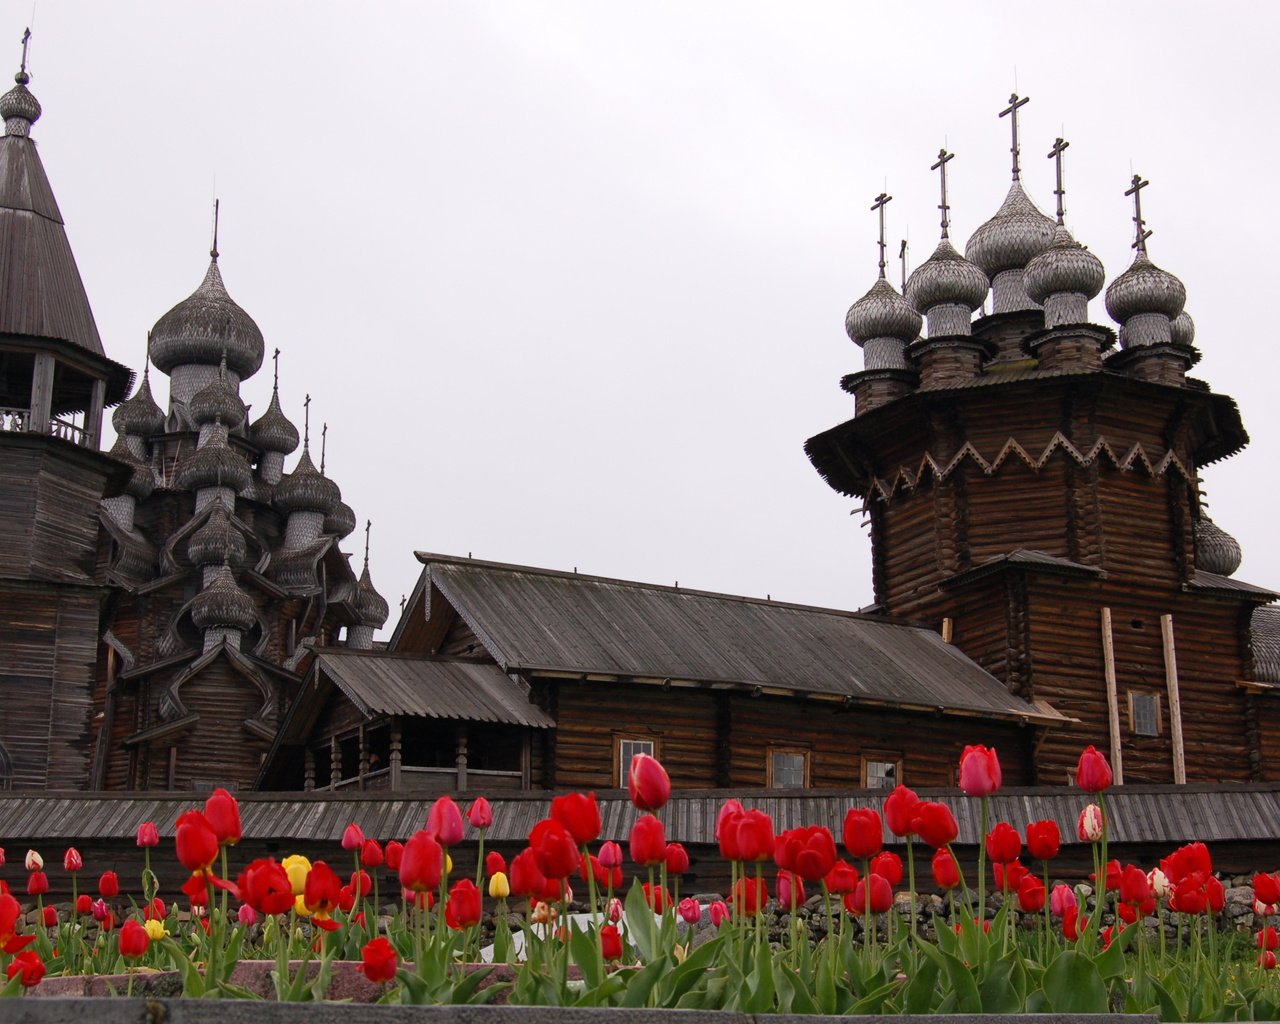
x: 352, y: 837
x: 480, y: 814
x: 690, y: 909
x: 1062, y: 899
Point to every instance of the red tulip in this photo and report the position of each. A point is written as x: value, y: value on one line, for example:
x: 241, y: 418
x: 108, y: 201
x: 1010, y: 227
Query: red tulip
x: 379, y: 961
x: 1093, y: 774
x: 718, y: 912
x: 935, y: 824
x: 1073, y: 925
x: 84, y: 903
x: 480, y: 814
x: 1003, y: 843
x: 133, y: 940
x: 1009, y: 876
x: 148, y: 835
x: 809, y: 852
x: 71, y: 860
x: 10, y: 915
x: 946, y: 875
x: 422, y: 862
x: 352, y: 837
x: 648, y: 783
x: 610, y: 855
x: 648, y: 841
x: 371, y: 854
x: 1031, y: 895
x: 1268, y: 938
x: 580, y: 814
x: 1044, y: 839
x: 462, y: 909
x: 1112, y: 878
x: 28, y: 966
x: 690, y: 910
x: 888, y: 865
x: 155, y: 910
x: 753, y: 835
x: 1189, y: 897
x: 392, y: 855
x: 979, y: 771
x: 611, y: 942
x: 109, y: 885
x: 900, y: 811
x: 444, y: 821
x: 677, y: 859
x: 37, y: 883
x: 322, y: 893
x: 526, y: 878
x: 1266, y: 888
x: 196, y: 841
x: 50, y: 919
x: 788, y: 887
x: 1267, y: 960
x: 728, y: 809
x: 1062, y: 899
x: 1135, y: 888
x: 495, y: 864
x: 223, y: 814
x: 361, y: 884
x: 264, y: 885
x: 749, y: 896
x: 553, y: 845
x: 1215, y: 893
x: 1187, y: 861
x: 863, y: 833
x: 881, y: 896
x: 842, y: 877
x: 658, y: 898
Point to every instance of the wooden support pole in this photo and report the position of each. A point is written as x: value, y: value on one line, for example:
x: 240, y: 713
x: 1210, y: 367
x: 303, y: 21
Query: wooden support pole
x: 41, y: 394
x: 93, y: 417
x: 526, y: 761
x: 335, y: 762
x: 395, y: 754
x: 308, y: 770
x: 461, y: 758
x: 1113, y: 699
x: 1175, y: 703
x: 948, y: 628
x: 363, y: 768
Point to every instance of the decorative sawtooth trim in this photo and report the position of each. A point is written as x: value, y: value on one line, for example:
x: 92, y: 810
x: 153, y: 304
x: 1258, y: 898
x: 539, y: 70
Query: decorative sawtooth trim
x: 1135, y: 458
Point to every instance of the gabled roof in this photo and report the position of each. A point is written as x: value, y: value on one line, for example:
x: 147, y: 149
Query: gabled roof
x: 539, y: 621
x: 1027, y: 560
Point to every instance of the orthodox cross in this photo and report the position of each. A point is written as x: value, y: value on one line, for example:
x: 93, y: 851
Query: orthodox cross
x: 943, y: 158
x: 368, y: 524
x: 324, y: 438
x: 26, y: 41
x: 1055, y: 154
x: 1135, y: 190
x: 214, y: 251
x: 902, y: 258
x: 306, y: 423
x: 1015, y: 101
x: 882, y: 200
x: 275, y: 358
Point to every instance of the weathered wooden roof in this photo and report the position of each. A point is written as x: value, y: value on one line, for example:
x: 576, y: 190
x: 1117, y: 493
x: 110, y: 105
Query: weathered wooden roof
x: 405, y: 685
x: 1023, y: 558
x: 1138, y: 814
x: 1266, y: 644
x: 40, y: 284
x: 541, y: 621
x: 1212, y: 582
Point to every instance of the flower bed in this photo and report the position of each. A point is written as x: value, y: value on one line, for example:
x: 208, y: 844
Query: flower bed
x: 802, y: 930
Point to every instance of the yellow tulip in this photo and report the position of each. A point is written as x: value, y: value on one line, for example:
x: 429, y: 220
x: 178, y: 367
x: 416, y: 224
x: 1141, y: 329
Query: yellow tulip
x: 300, y: 905
x: 155, y: 930
x: 499, y: 887
x: 297, y: 867
x: 448, y: 864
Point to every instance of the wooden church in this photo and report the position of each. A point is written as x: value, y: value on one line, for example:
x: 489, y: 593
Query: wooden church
x: 177, y: 612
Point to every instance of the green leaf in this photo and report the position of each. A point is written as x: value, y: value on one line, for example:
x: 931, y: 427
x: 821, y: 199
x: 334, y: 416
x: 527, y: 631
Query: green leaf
x: 963, y: 985
x: 642, y: 982
x: 641, y: 930
x: 586, y: 954
x: 761, y: 992
x: 192, y: 980
x: 1004, y: 989
x: 1110, y: 962
x: 1072, y: 984
x: 873, y: 1001
x: 825, y: 986
x: 679, y: 981
x: 465, y: 989
x: 798, y: 998
x: 921, y: 993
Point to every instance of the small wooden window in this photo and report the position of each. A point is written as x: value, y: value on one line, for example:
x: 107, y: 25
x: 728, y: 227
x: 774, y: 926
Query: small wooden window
x: 881, y: 771
x: 788, y: 769
x: 627, y: 748
x: 1144, y: 713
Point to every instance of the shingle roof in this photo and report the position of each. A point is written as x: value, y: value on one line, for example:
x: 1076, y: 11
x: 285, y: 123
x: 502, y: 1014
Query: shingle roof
x: 386, y: 684
x: 536, y: 620
x: 1266, y: 644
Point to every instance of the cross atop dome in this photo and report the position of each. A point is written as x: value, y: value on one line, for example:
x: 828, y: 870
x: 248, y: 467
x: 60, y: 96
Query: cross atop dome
x: 1059, y: 146
x: 1015, y: 101
x: 943, y: 159
x: 882, y: 200
x: 1135, y: 190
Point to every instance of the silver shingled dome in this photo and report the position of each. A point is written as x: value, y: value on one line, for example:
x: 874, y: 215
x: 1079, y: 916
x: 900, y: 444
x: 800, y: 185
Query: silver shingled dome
x: 305, y: 490
x: 1066, y: 267
x: 882, y: 313
x: 1182, y: 329
x: 202, y: 326
x: 1011, y: 239
x: 1216, y: 550
x: 223, y: 604
x: 947, y: 278
x: 1145, y: 288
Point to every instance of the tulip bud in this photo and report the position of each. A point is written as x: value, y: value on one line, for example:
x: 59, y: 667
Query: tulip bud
x: 480, y: 814
x: 499, y: 887
x: 34, y: 861
x: 1093, y: 774
x: 1062, y: 899
x: 444, y: 822
x: 392, y: 853
x: 246, y: 915
x: 615, y: 910
x: 148, y: 835
x: 84, y: 903
x: 100, y: 910
x: 155, y: 928
x: 71, y: 860
x: 1159, y: 883
x: 50, y: 917
x: 37, y: 883
x: 371, y: 854
x: 718, y: 912
x: 610, y: 855
x: 1091, y: 826
x: 109, y: 885
x: 1264, y: 909
x: 690, y: 910
x: 352, y: 837
x: 648, y: 783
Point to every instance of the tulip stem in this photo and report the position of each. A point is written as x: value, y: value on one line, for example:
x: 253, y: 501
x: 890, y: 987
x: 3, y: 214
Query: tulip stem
x: 1044, y: 935
x: 982, y: 867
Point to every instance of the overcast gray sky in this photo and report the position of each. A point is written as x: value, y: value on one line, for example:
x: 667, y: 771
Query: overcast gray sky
x: 568, y: 280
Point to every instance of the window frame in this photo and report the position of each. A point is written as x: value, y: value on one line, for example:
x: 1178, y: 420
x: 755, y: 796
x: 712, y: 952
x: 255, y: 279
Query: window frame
x: 881, y: 757
x: 1154, y: 696
x: 802, y: 752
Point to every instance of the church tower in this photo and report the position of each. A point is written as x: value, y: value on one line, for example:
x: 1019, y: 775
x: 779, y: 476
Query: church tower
x: 1032, y: 480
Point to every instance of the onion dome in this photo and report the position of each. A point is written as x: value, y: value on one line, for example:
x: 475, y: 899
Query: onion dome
x: 946, y: 278
x: 1066, y: 267
x: 218, y: 541
x: 1145, y: 288
x: 214, y: 464
x: 882, y: 313
x: 1011, y: 239
x: 223, y: 604
x: 200, y: 328
x: 341, y: 521
x: 217, y: 402
x: 305, y: 490
x: 272, y: 431
x: 1216, y: 550
x: 142, y: 481
x: 371, y: 606
x: 1182, y: 329
x: 19, y: 108
x: 139, y: 415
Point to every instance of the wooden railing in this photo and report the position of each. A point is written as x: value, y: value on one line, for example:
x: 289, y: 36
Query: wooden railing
x: 15, y: 421
x: 68, y: 431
